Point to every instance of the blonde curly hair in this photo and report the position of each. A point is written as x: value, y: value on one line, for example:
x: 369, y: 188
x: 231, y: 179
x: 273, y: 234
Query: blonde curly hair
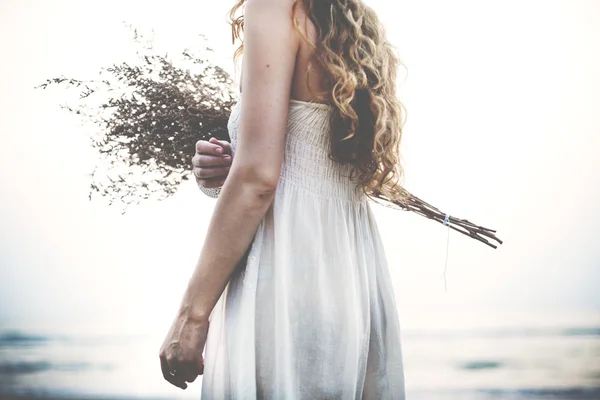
x: 360, y: 68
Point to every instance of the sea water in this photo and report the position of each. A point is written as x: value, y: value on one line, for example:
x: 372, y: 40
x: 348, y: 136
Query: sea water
x: 478, y: 357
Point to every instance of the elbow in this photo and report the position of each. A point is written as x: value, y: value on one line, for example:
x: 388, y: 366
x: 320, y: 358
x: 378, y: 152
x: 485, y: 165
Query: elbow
x: 262, y: 179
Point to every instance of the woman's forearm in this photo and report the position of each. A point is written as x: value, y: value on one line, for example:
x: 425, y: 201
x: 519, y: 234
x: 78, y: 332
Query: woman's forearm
x: 241, y: 206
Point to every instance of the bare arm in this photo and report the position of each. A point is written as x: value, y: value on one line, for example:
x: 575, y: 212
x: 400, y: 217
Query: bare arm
x: 270, y: 51
x: 271, y: 45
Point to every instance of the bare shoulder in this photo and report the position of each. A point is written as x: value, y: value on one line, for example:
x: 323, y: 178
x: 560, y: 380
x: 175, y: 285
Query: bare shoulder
x: 256, y: 8
x: 270, y: 19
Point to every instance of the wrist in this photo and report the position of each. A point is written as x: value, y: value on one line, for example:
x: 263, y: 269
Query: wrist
x: 192, y: 312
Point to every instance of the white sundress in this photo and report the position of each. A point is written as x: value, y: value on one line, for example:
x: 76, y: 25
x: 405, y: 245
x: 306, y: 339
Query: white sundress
x: 310, y: 312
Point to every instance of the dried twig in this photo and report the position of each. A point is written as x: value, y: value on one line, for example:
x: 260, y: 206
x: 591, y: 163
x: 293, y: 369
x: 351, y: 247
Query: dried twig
x: 420, y: 207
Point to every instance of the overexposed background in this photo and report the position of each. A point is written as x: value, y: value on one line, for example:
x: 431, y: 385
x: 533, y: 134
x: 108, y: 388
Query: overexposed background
x: 503, y: 129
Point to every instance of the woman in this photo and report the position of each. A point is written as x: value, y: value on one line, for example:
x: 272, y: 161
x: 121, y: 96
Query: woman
x: 292, y: 274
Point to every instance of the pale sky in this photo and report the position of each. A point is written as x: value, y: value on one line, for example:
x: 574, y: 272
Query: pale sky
x: 503, y: 129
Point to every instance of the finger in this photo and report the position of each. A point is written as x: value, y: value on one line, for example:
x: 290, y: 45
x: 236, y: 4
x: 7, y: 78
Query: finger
x: 211, y: 183
x: 172, y: 379
x: 205, y: 147
x: 224, y: 143
x: 180, y: 370
x: 205, y: 173
x: 187, y: 371
x: 200, y: 365
x: 203, y: 160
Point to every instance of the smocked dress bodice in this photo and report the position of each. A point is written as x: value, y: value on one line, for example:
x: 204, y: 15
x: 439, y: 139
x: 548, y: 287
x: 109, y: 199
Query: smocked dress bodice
x: 306, y: 163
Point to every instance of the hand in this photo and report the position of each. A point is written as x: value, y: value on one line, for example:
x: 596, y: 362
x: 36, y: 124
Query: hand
x: 211, y: 162
x: 181, y: 358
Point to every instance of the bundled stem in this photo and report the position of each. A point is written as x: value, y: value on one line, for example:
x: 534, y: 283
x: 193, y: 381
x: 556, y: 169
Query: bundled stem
x: 414, y: 204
